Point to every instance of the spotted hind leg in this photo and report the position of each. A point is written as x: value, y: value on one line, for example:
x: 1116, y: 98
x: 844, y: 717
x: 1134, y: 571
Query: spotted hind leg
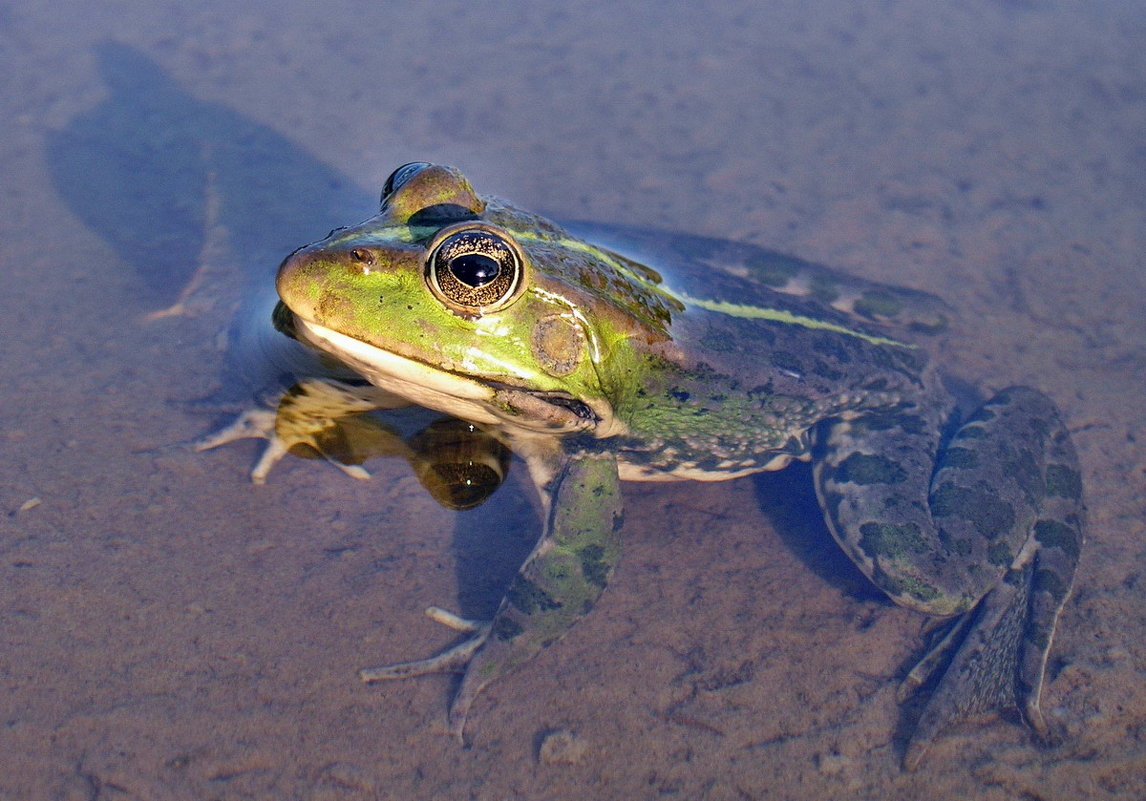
x: 995, y: 533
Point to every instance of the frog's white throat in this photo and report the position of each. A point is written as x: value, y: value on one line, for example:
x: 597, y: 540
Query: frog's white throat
x: 461, y: 396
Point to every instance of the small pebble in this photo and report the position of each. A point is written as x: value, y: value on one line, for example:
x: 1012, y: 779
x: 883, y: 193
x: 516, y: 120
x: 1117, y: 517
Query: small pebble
x: 832, y: 764
x: 561, y: 747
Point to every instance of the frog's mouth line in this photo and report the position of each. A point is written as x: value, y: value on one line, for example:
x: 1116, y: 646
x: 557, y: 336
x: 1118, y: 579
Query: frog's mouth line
x: 463, y: 397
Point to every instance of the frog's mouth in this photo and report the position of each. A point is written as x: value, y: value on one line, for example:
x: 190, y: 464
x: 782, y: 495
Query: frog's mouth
x: 465, y: 397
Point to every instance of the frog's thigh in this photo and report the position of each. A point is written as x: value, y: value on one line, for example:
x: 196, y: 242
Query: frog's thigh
x: 938, y: 544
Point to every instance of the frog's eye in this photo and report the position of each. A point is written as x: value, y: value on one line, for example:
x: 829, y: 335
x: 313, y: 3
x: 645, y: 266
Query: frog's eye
x: 474, y: 269
x: 401, y: 176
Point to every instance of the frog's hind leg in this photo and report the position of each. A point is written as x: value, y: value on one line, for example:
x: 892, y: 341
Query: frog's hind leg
x: 938, y: 654
x: 994, y: 533
x: 559, y: 582
x: 556, y: 586
x: 1001, y: 663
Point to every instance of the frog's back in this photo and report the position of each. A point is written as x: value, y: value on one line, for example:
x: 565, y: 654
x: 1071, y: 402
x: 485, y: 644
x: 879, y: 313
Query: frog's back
x: 745, y: 274
x: 767, y: 345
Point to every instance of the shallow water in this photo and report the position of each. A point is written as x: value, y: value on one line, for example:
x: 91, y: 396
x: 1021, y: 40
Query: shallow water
x: 169, y: 630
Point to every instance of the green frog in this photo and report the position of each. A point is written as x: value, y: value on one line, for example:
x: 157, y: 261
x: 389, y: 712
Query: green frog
x: 596, y: 368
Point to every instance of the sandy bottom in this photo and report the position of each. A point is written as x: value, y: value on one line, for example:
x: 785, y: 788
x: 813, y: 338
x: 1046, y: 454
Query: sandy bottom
x: 169, y: 631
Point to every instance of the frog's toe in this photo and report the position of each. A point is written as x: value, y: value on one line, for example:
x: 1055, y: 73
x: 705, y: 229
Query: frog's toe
x: 251, y: 424
x: 451, y: 660
x: 938, y: 654
x: 455, y: 622
x: 1033, y: 715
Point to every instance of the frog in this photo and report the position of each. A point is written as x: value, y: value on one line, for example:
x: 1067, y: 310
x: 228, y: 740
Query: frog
x: 597, y: 367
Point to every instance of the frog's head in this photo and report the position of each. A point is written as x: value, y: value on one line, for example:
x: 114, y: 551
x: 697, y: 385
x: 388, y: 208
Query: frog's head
x: 467, y: 305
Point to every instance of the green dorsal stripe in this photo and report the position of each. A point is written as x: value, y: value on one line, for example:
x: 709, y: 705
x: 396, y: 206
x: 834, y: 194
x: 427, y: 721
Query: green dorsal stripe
x: 783, y: 316
x: 594, y: 251
x: 723, y: 307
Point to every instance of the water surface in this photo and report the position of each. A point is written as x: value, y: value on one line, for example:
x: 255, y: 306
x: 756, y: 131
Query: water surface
x: 169, y: 630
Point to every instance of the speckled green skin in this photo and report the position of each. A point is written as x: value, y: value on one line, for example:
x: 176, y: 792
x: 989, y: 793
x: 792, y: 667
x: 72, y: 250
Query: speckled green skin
x: 560, y: 581
x: 723, y: 361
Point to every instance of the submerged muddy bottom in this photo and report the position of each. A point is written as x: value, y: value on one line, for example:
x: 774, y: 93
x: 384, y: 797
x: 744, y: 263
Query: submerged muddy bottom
x: 169, y: 630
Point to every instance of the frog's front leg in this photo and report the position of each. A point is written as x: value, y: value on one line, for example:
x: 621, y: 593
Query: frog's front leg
x: 996, y: 529
x: 319, y: 415
x: 556, y: 586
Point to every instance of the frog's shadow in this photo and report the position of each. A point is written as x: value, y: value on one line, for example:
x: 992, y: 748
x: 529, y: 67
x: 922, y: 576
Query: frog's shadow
x: 155, y: 172
x: 789, y: 500
x: 491, y: 541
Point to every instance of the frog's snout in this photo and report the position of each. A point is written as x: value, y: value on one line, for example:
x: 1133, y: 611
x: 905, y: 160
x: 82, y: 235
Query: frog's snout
x: 298, y: 271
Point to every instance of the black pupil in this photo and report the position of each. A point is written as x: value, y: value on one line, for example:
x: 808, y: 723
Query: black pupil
x: 474, y: 269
